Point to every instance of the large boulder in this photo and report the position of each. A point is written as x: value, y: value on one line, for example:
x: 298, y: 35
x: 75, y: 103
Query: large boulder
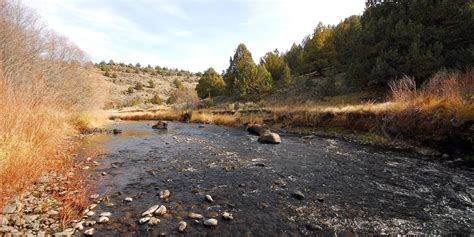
x: 160, y: 125
x: 257, y: 129
x: 269, y: 138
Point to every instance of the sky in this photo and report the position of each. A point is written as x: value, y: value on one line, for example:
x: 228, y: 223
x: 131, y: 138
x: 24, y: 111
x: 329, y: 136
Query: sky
x: 187, y: 34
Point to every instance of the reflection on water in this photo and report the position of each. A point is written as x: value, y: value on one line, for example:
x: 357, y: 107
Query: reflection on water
x: 348, y: 188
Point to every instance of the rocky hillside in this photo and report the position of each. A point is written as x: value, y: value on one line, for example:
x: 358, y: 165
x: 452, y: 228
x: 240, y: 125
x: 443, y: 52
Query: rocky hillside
x: 141, y: 87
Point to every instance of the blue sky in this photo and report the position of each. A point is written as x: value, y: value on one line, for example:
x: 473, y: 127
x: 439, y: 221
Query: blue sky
x: 187, y: 34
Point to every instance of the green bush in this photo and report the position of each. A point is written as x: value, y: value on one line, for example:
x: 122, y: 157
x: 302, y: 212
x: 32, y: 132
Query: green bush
x: 130, y: 90
x: 139, y: 86
x: 151, y: 83
x: 156, y: 100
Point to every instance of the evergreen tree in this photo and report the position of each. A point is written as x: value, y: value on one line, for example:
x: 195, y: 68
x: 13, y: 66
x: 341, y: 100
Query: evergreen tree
x: 276, y: 65
x: 210, y: 84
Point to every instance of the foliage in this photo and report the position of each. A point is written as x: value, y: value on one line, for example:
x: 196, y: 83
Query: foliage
x: 138, y: 86
x: 151, y: 83
x: 130, y: 90
x: 211, y: 84
x: 178, y: 83
x: 156, y: 100
x: 278, y: 68
x: 243, y: 78
x: 186, y: 97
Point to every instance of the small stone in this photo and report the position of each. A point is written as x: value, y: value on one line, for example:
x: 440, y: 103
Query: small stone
x: 79, y: 226
x: 28, y: 219
x: 53, y: 213
x: 103, y: 219
x: 150, y: 210
x: 86, y: 167
x: 90, y: 223
x: 88, y: 158
x: 106, y: 214
x: 90, y: 213
x: 109, y: 204
x: 161, y: 210
x: 227, y: 216
x: 298, y: 195
x: 445, y: 156
x: 128, y: 199
x: 89, y: 232
x: 193, y: 215
x: 92, y: 206
x: 144, y: 220
x: 165, y: 194
x: 154, y: 221
x: 209, y: 198
x: 210, y: 222
x: 94, y: 196
x: 103, y: 173
x: 95, y: 163
x: 182, y: 226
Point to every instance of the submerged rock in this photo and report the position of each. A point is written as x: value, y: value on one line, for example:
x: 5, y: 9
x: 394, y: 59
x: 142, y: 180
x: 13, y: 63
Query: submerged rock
x: 257, y: 129
x: 160, y: 125
x: 128, y: 199
x: 269, y: 138
x: 165, y: 194
x: 209, y: 198
x: 210, y: 222
x: 116, y: 131
x: 298, y: 195
x: 193, y: 215
x: 182, y: 226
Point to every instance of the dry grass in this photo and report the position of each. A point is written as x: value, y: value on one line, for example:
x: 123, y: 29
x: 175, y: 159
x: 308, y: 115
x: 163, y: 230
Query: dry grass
x: 170, y: 115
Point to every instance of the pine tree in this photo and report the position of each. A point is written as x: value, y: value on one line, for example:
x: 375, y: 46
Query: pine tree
x: 210, y: 84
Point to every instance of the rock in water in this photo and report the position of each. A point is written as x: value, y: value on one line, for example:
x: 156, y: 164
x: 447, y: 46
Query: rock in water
x: 89, y: 232
x: 106, y: 214
x: 128, y: 199
x: 257, y: 129
x: 161, y: 210
x: 144, y: 220
x: 298, y: 194
x: 193, y: 215
x: 160, y: 125
x: 209, y: 198
x: 103, y: 219
x: 154, y: 221
x: 116, y: 131
x: 150, y: 210
x: 227, y: 216
x: 269, y: 138
x: 165, y: 194
x: 182, y: 226
x: 210, y: 222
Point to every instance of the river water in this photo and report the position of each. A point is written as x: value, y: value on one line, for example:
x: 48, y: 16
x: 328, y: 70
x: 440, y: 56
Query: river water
x: 349, y: 189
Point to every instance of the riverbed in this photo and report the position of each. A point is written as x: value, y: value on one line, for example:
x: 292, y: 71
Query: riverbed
x: 348, y: 188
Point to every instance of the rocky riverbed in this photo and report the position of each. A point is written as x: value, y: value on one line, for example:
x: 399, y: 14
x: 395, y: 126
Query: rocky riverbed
x: 219, y: 181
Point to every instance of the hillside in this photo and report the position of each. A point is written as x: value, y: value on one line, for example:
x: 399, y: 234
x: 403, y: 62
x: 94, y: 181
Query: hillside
x: 123, y: 84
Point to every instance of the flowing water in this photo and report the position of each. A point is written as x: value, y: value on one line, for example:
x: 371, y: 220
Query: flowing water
x: 349, y: 189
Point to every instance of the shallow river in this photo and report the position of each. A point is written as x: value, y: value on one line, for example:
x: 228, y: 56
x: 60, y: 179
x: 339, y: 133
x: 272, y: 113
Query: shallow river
x: 349, y: 189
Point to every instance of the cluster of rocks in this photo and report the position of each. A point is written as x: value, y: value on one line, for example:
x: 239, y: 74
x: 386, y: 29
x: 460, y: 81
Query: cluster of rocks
x: 152, y: 214
x: 266, y: 136
x: 36, y: 212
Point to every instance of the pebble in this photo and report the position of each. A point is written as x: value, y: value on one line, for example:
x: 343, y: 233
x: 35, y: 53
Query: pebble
x: 227, y: 216
x: 90, y: 213
x: 128, y: 199
x: 79, y: 226
x: 298, y: 195
x: 209, y: 198
x: 165, y: 194
x: 210, y: 222
x: 89, y: 223
x: 95, y: 163
x: 106, y: 214
x: 103, y: 219
x: 182, y: 226
x: 92, y: 206
x: 445, y: 156
x: 144, y: 220
x: 150, y: 210
x: 103, y: 173
x: 161, y: 210
x: 193, y: 215
x: 89, y: 232
x: 154, y: 221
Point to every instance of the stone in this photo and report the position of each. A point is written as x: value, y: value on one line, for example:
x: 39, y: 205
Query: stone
x: 161, y: 210
x: 103, y: 173
x: 79, y: 225
x: 160, y: 125
x: 90, y: 223
x: 10, y: 209
x: 92, y: 206
x: 106, y: 214
x: 182, y: 226
x: 116, y: 131
x: 150, y: 210
x: 193, y: 215
x: 209, y: 198
x: 298, y: 195
x: 227, y: 216
x: 144, y: 220
x: 165, y: 194
x: 154, y: 221
x: 210, y: 222
x: 53, y: 213
x: 65, y: 233
x: 269, y: 138
x: 445, y: 156
x: 257, y: 129
x: 94, y: 196
x: 89, y: 232
x: 103, y: 220
x: 90, y: 213
x: 128, y: 199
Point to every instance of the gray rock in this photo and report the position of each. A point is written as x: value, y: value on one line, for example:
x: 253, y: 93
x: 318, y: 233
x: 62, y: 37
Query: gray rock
x: 144, y: 220
x: 269, y: 138
x: 160, y: 125
x: 210, y: 222
x: 106, y: 214
x: 165, y: 194
x: 445, y: 156
x: 89, y: 232
x: 193, y: 215
x: 103, y: 220
x: 150, y: 210
x: 298, y: 195
x: 182, y: 226
x: 227, y: 216
x: 128, y: 199
x: 209, y: 198
x: 161, y: 210
x: 89, y: 223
